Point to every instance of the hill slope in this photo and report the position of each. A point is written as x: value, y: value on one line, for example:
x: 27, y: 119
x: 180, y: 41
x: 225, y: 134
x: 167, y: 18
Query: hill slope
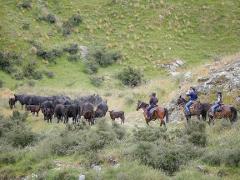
x: 146, y: 33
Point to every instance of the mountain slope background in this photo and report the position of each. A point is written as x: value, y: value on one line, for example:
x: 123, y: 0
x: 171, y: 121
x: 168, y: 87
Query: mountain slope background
x: 38, y: 36
x: 145, y: 33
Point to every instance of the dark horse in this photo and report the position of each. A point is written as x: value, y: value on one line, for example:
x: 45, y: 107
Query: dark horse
x: 197, y: 109
x: 160, y: 113
x: 226, y: 111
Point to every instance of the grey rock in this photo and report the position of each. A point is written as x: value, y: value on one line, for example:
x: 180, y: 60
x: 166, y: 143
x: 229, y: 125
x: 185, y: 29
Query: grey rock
x: 83, y: 51
x: 82, y: 177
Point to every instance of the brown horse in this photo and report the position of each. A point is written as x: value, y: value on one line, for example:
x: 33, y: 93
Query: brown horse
x: 197, y: 109
x: 160, y: 113
x: 226, y: 111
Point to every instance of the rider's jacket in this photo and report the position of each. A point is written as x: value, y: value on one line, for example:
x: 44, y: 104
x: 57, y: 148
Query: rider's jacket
x: 153, y: 101
x: 193, y: 95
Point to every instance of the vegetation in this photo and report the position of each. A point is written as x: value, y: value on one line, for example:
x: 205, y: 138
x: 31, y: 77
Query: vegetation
x: 130, y: 77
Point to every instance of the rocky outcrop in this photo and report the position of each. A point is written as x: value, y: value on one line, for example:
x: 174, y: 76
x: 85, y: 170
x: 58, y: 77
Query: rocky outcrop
x: 224, y: 79
x: 173, y: 66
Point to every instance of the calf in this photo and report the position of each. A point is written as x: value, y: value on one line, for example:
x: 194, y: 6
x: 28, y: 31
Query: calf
x: 12, y: 102
x: 33, y: 109
x: 117, y: 114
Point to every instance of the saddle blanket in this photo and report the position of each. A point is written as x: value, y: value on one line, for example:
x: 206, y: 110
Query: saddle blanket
x: 152, y: 110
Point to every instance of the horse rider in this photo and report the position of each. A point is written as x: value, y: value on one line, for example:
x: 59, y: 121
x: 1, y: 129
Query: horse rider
x: 152, y: 103
x: 218, y: 103
x: 192, y: 93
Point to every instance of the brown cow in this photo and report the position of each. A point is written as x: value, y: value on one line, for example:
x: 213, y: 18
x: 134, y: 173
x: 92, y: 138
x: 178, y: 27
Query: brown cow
x: 117, y: 114
x: 33, y: 109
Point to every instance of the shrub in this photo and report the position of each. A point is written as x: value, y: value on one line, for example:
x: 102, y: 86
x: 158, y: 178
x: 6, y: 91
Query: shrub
x: 91, y: 67
x: 1, y: 83
x: 30, y: 71
x: 26, y: 4
x: 18, y: 74
x: 96, y: 81
x: 75, y: 20
x: 49, y: 74
x: 74, y: 58
x: 72, y: 49
x: 104, y: 58
x: 8, y: 61
x: 50, y: 55
x: 119, y: 130
x: 232, y: 157
x: 15, y: 132
x: 130, y: 77
x: 68, y: 25
x: 50, y: 18
x: 31, y: 83
x: 26, y: 26
x: 196, y: 132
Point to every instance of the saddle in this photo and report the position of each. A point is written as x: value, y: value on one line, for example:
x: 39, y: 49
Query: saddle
x: 152, y: 111
x: 195, y: 103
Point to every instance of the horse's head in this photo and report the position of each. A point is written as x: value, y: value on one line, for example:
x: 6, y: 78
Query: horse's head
x: 141, y: 105
x: 181, y: 101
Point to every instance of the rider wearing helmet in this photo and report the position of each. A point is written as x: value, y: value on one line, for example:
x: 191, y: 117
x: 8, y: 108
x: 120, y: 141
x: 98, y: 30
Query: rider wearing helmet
x: 192, y: 93
x: 218, y: 103
x: 152, y: 103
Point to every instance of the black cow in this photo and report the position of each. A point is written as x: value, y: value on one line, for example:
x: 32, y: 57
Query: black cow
x: 59, y: 112
x: 117, y: 114
x: 22, y: 98
x: 11, y: 102
x: 101, y: 110
x: 47, y: 104
x: 71, y: 111
x: 48, y: 114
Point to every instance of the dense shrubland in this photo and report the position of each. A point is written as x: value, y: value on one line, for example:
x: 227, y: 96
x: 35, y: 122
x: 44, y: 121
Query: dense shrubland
x: 170, y: 151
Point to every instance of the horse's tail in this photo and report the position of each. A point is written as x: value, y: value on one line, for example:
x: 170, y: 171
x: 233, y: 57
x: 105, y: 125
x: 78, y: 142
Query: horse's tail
x: 166, y: 114
x: 234, y: 114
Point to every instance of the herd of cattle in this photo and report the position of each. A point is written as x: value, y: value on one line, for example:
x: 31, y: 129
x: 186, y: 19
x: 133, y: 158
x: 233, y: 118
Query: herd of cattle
x: 63, y: 107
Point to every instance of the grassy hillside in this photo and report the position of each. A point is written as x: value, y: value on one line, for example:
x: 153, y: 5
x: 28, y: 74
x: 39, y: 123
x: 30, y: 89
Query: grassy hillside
x: 146, y: 33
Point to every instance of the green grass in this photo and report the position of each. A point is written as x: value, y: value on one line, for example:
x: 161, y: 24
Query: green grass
x: 195, y: 31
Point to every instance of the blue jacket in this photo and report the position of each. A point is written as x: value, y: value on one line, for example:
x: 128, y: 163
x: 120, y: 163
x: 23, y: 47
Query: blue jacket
x: 193, y: 96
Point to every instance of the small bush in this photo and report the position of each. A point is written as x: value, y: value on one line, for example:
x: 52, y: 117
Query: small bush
x: 8, y: 61
x: 74, y: 58
x: 1, y: 83
x: 50, y: 55
x: 72, y: 49
x: 232, y: 157
x: 49, y: 74
x: 26, y: 4
x: 50, y: 18
x: 130, y: 77
x: 15, y: 132
x: 31, y: 72
x: 68, y: 25
x: 18, y: 74
x: 91, y: 67
x: 196, y: 131
x: 97, y: 81
x: 31, y: 83
x: 75, y: 20
x: 104, y: 58
x: 26, y: 26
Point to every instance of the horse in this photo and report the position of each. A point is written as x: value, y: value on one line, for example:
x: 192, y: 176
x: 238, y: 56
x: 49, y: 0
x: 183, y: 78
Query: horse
x: 160, y: 113
x: 198, y: 109
x: 226, y: 111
